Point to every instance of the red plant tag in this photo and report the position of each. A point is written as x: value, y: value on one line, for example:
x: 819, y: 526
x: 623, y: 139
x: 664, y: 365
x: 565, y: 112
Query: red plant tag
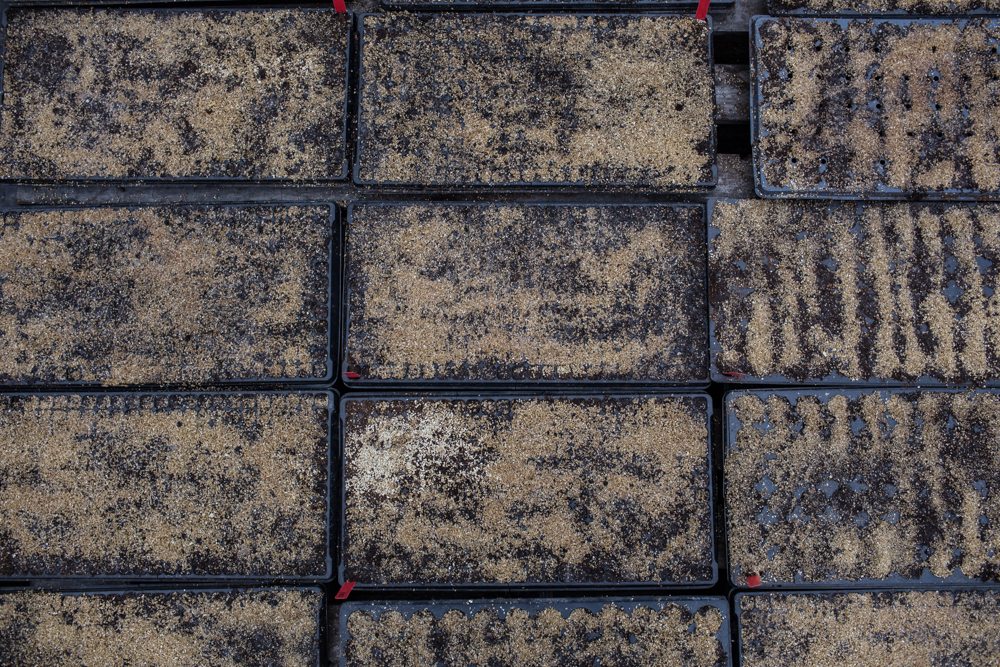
x: 344, y: 591
x: 351, y: 375
x: 736, y: 375
x: 340, y: 6
x: 753, y: 580
x: 702, y: 12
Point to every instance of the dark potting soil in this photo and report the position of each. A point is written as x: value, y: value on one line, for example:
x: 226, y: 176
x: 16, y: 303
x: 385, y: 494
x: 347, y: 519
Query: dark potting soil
x: 877, y: 107
x: 876, y: 629
x: 692, y: 632
x: 502, y: 99
x: 177, y: 485
x: 492, y: 293
x: 174, y: 93
x: 248, y: 628
x: 158, y: 295
x: 896, y: 487
x: 532, y: 490
x: 820, y: 292
x: 921, y: 7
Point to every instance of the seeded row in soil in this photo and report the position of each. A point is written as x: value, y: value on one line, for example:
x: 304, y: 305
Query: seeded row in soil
x: 818, y: 292
x: 495, y: 99
x: 905, y: 629
x: 168, y: 93
x: 534, y: 490
x: 538, y: 633
x: 877, y: 107
x: 889, y: 487
x: 165, y: 295
x: 182, y: 485
x: 485, y: 293
x: 249, y: 628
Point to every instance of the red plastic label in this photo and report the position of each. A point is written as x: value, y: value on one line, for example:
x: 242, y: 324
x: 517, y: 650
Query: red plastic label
x: 753, y: 581
x: 733, y: 374
x: 351, y: 375
x: 702, y: 12
x: 344, y: 591
x: 340, y: 6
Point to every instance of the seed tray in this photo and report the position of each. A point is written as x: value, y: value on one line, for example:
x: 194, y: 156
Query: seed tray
x: 127, y: 4
x: 130, y: 4
x: 161, y: 107
x: 922, y: 280
x: 903, y: 475
x: 500, y: 493
x: 513, y: 89
x: 105, y: 486
x: 869, y: 629
x: 580, y: 5
x: 899, y: 108
x: 154, y: 296
x: 884, y: 7
x: 550, y: 294
x: 569, y: 631
x: 252, y: 627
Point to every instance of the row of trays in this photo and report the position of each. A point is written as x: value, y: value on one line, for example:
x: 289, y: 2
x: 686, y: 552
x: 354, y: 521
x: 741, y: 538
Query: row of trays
x: 287, y: 626
x: 446, y: 101
x: 501, y: 295
x: 822, y: 489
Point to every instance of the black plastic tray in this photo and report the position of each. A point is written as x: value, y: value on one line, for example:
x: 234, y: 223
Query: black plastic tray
x: 173, y: 7
x: 333, y: 306
x: 553, y: 5
x: 565, y: 605
x: 731, y: 425
x: 61, y: 580
x: 455, y: 188
x: 362, y: 383
x: 738, y: 612
x: 766, y: 190
x: 321, y: 615
x: 830, y: 380
x: 134, y: 4
x: 474, y: 587
x: 775, y: 9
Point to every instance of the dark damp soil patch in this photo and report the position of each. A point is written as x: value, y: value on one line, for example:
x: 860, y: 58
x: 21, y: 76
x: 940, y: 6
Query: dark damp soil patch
x: 558, y: 491
x: 877, y: 107
x: 819, y: 292
x: 870, y: 629
x: 548, y: 293
x: 165, y: 295
x: 173, y: 485
x: 904, y: 491
x: 174, y: 93
x: 613, y: 100
x: 251, y: 627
